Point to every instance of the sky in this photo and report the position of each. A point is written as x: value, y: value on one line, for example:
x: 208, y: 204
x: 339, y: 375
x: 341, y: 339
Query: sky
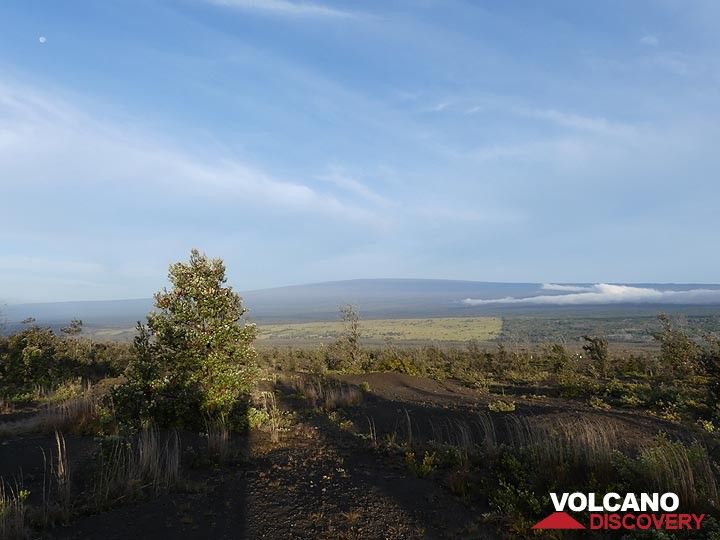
x: 554, y: 141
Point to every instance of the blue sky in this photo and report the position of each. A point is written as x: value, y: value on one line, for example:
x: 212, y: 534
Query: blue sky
x: 554, y: 141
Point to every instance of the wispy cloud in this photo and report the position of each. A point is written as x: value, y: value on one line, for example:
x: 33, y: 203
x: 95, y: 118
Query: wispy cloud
x: 285, y: 8
x: 603, y: 293
x: 565, y: 151
x: 439, y: 107
x: 40, y: 138
x: 355, y: 187
x: 595, y: 124
x: 650, y: 40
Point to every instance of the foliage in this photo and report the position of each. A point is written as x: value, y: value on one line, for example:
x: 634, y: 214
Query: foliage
x: 597, y: 403
x: 195, y: 357
x: 678, y: 352
x: 346, y: 354
x: 74, y: 328
x: 709, y: 360
x: 36, y: 358
x: 559, y: 358
x: 256, y: 418
x: 597, y: 350
x: 502, y: 406
x: 423, y: 468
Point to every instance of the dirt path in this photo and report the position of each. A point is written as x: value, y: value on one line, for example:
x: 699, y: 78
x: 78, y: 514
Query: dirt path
x: 317, y: 482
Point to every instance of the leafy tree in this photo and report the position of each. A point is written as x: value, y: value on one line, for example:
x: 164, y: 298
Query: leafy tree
x: 74, y: 328
x: 597, y: 350
x: 558, y: 357
x: 195, y: 357
x: 678, y: 352
x: 709, y: 360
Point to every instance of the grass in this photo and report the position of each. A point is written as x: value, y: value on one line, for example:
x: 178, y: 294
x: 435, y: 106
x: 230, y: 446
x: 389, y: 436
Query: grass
x: 380, y: 330
x: 502, y: 454
x: 218, y: 435
x: 126, y: 469
x: 13, y: 510
x: 77, y: 415
x: 326, y: 394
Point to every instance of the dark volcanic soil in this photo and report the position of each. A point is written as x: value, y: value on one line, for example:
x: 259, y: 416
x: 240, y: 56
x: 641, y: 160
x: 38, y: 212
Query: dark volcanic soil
x: 321, y: 480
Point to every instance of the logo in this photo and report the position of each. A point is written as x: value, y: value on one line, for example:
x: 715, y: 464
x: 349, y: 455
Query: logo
x: 620, y: 512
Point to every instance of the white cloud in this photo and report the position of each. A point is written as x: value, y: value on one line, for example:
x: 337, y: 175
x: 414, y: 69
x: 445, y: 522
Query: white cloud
x: 603, y: 293
x: 593, y: 124
x: 45, y: 141
x: 285, y: 8
x: 650, y: 40
x: 565, y: 288
x: 563, y: 152
x: 355, y: 187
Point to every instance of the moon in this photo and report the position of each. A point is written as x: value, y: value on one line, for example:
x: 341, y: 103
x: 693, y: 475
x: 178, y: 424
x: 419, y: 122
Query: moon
x: 42, y: 39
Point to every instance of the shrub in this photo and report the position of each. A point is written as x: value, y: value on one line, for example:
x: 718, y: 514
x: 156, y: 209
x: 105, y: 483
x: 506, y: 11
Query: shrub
x: 559, y: 358
x: 597, y: 350
x: 597, y: 403
x: 425, y: 467
x: 679, y: 354
x: 36, y: 358
x: 346, y: 354
x: 502, y: 406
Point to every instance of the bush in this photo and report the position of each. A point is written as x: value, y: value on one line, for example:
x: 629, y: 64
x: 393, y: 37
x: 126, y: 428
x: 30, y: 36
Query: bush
x: 346, y: 354
x: 597, y: 350
x: 679, y: 354
x: 36, y: 358
x: 502, y: 406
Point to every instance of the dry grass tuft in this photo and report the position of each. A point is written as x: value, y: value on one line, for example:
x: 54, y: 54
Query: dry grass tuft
x: 327, y: 394
x: 13, y: 510
x: 218, y: 436
x: 127, y: 469
x: 78, y: 415
x: 61, y: 473
x: 74, y: 415
x: 685, y: 470
x: 275, y: 417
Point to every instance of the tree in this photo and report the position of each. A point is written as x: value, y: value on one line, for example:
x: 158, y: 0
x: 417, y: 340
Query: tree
x: 597, y: 350
x: 678, y: 352
x: 558, y: 357
x: 195, y: 357
x: 74, y: 328
x: 709, y: 360
x: 346, y: 352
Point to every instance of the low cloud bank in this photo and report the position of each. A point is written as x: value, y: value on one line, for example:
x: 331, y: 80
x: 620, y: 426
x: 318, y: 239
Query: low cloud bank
x: 566, y: 288
x: 604, y: 293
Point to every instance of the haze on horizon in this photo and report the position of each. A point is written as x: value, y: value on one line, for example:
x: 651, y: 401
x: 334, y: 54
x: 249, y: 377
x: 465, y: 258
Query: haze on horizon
x: 312, y: 141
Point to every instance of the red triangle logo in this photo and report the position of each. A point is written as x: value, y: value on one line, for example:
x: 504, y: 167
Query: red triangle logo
x: 558, y: 520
